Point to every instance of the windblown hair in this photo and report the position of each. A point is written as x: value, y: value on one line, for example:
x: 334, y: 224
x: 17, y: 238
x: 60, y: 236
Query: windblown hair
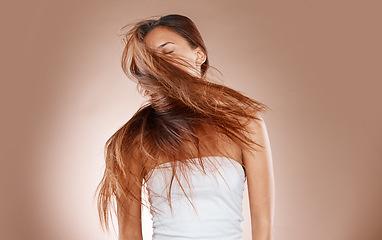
x: 167, y: 128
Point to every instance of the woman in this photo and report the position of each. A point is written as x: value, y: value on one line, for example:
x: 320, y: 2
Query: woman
x: 193, y: 145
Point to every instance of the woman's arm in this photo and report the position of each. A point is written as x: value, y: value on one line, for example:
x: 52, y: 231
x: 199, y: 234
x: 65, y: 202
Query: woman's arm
x: 260, y: 180
x: 130, y: 220
x: 131, y: 228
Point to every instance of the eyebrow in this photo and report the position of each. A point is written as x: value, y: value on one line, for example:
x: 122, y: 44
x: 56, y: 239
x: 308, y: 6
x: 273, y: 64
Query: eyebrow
x: 164, y: 44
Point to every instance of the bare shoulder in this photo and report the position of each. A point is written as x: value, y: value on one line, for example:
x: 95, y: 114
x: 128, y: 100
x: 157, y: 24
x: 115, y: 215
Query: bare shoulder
x: 255, y: 128
x: 257, y: 132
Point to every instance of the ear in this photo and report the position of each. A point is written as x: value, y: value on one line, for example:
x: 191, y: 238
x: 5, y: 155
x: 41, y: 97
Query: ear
x: 200, y: 57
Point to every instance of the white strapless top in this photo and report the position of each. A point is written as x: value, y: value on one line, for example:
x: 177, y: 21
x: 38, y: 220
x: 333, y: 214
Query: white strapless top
x: 217, y: 201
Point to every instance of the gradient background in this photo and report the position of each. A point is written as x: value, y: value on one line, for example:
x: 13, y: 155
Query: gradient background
x: 316, y: 63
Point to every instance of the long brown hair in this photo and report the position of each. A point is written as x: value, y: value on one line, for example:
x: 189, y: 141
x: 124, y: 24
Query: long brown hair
x: 168, y: 127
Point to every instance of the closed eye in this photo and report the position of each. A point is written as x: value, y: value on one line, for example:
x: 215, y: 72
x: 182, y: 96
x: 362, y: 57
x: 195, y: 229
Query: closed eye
x: 169, y: 52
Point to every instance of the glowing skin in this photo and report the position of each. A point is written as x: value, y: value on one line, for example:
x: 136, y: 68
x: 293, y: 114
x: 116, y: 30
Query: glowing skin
x: 169, y: 42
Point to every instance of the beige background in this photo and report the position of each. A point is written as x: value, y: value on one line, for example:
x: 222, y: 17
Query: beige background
x: 316, y: 63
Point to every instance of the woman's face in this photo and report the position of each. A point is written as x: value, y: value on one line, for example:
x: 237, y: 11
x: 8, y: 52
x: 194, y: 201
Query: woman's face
x: 168, y: 42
